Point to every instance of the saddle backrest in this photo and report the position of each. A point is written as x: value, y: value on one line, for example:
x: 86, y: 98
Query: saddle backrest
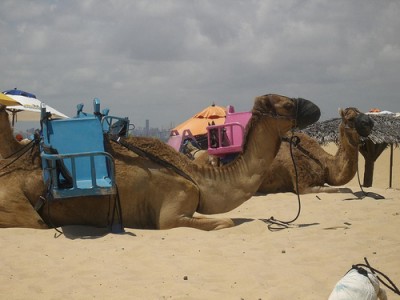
x: 77, y: 136
x: 177, y: 141
x: 228, y: 138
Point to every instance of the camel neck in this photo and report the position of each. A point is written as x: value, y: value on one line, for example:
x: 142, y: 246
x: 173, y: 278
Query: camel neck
x: 225, y: 188
x: 345, y: 163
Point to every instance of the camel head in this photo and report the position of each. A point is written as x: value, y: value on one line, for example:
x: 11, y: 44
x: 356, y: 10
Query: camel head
x: 300, y: 111
x: 355, y: 124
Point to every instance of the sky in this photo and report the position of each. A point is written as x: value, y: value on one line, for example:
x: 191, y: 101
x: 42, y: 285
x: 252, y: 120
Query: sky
x: 166, y: 60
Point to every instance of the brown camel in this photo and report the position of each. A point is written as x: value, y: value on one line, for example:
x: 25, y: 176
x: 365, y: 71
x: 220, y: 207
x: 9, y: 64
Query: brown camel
x: 316, y: 167
x: 154, y: 196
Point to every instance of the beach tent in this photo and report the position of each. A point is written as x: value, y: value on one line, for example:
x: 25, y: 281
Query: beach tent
x: 30, y: 107
x: 7, y: 101
x: 199, y: 122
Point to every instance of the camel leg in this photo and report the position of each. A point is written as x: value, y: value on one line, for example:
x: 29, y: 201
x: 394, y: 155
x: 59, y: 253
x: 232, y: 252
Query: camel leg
x: 324, y: 189
x: 16, y: 211
x: 202, y: 223
x: 180, y: 211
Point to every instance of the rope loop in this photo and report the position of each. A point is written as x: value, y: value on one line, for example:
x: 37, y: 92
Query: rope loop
x: 278, y: 224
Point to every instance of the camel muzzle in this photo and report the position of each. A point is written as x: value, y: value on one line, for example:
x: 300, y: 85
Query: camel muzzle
x: 307, y: 113
x: 364, y: 125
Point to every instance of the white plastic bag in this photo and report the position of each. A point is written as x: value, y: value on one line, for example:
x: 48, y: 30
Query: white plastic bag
x: 358, y: 286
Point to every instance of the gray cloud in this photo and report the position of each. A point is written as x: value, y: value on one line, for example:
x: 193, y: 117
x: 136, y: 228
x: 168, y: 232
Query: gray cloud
x: 166, y: 60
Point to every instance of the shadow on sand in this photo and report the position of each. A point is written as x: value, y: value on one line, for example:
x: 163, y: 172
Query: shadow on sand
x: 87, y: 232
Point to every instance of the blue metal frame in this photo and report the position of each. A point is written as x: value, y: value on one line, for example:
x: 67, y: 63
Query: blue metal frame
x: 83, y: 187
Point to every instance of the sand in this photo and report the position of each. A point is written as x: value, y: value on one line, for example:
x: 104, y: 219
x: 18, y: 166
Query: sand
x: 247, y: 261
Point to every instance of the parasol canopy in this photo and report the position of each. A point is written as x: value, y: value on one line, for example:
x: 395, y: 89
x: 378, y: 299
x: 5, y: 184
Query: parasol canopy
x: 29, y: 108
x: 7, y: 101
x: 199, y: 122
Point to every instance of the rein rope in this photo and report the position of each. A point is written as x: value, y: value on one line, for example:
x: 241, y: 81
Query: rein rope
x: 276, y: 224
x: 391, y: 287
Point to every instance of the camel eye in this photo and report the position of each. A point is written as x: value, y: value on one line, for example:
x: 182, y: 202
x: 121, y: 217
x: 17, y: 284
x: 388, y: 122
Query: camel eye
x: 288, y: 106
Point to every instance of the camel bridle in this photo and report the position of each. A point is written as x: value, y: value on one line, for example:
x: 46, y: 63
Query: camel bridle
x: 273, y: 113
x: 349, y: 127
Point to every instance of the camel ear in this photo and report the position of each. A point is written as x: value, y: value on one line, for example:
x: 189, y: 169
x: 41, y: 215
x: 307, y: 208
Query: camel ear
x: 341, y: 112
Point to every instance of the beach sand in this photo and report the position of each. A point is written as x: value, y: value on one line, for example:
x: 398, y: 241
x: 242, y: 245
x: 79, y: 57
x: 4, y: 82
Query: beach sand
x: 247, y: 261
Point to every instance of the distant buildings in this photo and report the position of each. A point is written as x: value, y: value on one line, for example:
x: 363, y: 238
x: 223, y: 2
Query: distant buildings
x: 162, y: 134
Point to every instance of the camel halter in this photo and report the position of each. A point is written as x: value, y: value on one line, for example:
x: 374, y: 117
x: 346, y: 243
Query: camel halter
x: 273, y: 114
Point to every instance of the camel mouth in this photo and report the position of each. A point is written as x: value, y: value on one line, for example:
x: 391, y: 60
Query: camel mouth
x: 364, y: 125
x: 307, y: 113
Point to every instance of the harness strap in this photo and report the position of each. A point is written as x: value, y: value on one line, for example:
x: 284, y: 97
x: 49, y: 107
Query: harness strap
x: 20, y: 149
x: 26, y: 149
x: 303, y: 150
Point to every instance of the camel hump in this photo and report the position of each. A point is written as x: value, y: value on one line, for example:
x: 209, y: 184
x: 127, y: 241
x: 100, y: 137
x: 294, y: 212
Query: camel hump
x: 159, y: 152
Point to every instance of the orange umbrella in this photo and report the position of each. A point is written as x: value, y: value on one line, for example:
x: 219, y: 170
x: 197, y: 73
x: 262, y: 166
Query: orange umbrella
x: 199, y: 122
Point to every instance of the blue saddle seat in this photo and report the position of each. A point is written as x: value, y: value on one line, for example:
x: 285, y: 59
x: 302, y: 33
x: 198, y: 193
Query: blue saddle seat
x: 74, y: 158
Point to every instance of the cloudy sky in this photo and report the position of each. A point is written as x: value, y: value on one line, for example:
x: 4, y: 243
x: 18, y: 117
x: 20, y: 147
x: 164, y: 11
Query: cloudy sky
x: 166, y: 60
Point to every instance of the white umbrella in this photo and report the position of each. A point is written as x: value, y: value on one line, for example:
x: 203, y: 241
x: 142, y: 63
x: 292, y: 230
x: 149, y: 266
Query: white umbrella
x: 30, y: 108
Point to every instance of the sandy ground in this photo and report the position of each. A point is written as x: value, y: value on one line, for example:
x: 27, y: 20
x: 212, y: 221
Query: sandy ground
x: 248, y: 261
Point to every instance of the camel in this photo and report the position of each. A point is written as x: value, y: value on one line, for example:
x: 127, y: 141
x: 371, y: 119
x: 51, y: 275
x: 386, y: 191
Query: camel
x: 19, y: 182
x: 154, y: 196
x: 316, y: 167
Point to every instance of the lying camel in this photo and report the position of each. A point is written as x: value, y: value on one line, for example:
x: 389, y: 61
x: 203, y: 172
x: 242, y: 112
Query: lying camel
x: 154, y: 196
x: 315, y: 166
